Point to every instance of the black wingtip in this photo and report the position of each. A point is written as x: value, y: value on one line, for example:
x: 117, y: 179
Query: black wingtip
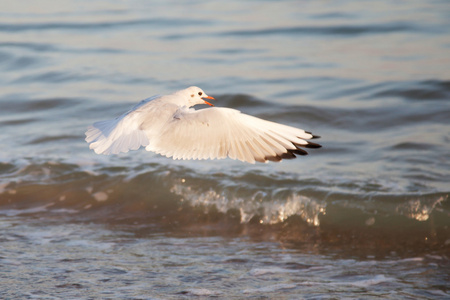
x: 299, y: 152
x: 290, y: 154
x: 309, y: 145
x: 313, y: 136
x: 312, y: 145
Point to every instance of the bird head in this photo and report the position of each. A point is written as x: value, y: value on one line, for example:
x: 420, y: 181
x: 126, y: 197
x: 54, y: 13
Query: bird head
x: 195, y: 95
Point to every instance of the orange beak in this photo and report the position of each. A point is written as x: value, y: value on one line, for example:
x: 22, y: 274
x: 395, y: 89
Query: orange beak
x: 206, y: 102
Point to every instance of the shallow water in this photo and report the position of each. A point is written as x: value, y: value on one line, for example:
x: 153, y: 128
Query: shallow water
x: 97, y: 261
x: 366, y: 216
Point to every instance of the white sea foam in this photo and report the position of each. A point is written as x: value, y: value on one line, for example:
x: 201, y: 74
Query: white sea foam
x: 32, y: 210
x: 377, y: 279
x: 419, y: 209
x: 278, y: 209
x: 271, y: 270
x: 373, y: 281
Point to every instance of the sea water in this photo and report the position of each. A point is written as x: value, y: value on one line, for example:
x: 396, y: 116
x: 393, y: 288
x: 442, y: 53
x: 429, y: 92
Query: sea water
x: 366, y: 216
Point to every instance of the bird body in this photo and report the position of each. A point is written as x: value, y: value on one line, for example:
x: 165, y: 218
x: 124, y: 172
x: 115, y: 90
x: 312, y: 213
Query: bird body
x: 168, y: 126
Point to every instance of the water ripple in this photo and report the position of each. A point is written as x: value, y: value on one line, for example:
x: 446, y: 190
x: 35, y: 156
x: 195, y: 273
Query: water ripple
x: 329, y: 30
x: 43, y: 26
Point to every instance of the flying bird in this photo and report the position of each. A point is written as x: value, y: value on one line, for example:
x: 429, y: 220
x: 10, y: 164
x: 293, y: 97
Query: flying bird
x: 169, y: 126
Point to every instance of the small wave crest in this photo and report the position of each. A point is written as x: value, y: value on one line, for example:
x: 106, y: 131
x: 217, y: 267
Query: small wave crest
x: 267, y: 209
x: 155, y: 191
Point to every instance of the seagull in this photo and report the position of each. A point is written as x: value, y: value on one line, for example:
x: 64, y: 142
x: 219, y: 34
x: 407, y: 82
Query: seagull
x: 168, y: 125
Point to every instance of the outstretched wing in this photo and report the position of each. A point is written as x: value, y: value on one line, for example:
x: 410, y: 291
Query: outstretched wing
x: 223, y: 132
x: 121, y: 134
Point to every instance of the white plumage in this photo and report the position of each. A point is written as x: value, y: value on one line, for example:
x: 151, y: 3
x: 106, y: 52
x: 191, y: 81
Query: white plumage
x: 168, y: 126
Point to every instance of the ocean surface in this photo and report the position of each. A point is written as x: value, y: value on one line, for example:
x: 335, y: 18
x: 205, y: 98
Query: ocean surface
x: 367, y: 216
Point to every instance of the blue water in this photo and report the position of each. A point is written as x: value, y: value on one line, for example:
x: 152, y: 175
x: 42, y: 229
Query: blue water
x: 366, y: 216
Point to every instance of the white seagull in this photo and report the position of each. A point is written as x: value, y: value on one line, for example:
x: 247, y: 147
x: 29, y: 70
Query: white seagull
x: 168, y: 126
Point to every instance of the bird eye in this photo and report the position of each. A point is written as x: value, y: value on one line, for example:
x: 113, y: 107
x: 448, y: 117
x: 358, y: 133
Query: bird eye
x: 192, y: 95
x: 200, y: 93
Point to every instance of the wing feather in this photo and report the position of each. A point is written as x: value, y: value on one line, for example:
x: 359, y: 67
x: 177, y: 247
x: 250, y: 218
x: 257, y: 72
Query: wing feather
x: 114, y: 136
x: 224, y: 132
x: 123, y: 133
